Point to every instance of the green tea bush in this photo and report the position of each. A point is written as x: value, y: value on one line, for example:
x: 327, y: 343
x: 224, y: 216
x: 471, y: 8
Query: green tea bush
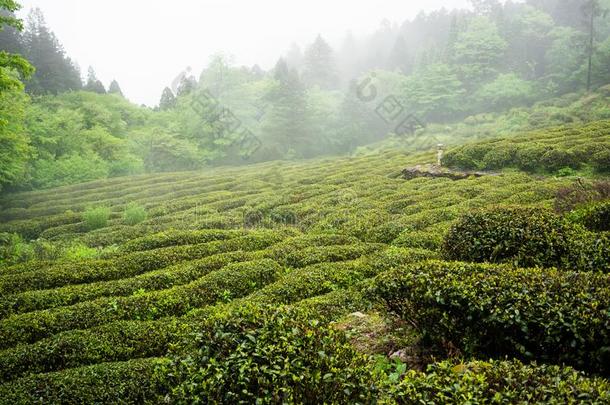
x: 506, y: 382
x: 134, y: 214
x: 96, y: 217
x: 233, y: 281
x: 129, y: 265
x: 177, y: 238
x: 117, y: 341
x: 595, y: 217
x: 525, y: 237
x: 493, y: 310
x: 265, y: 355
x: 180, y: 274
x: 123, y: 382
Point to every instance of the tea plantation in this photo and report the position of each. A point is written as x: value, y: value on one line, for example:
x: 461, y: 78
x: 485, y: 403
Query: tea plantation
x: 325, y: 281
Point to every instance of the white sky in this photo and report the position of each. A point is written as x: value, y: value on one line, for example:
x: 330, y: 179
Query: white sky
x: 145, y: 44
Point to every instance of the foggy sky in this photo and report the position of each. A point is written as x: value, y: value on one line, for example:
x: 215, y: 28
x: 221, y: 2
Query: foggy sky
x: 145, y: 44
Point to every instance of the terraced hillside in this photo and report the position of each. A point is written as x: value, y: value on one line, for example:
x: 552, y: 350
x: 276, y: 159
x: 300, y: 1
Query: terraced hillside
x: 235, y: 271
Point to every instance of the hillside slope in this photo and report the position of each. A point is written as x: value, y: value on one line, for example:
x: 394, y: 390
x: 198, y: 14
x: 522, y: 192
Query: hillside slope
x: 166, y: 307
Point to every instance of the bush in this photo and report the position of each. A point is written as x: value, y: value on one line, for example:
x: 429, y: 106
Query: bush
x: 526, y: 237
x: 263, y: 355
x: 118, y: 341
x: 134, y: 214
x: 506, y: 382
x: 233, y: 281
x: 581, y: 193
x: 96, y: 217
x: 493, y: 311
x: 128, y: 265
x: 128, y: 382
x: 595, y: 217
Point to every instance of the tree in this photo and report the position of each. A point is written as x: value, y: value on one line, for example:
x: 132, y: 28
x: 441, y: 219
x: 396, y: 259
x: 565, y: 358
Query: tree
x: 565, y: 59
x: 13, y: 68
x: 168, y: 100
x: 93, y: 84
x: 591, y: 10
x: 14, y: 148
x: 319, y: 67
x: 479, y: 51
x: 399, y: 58
x: 115, y: 88
x: 55, y: 72
x: 434, y: 93
x: 286, y: 126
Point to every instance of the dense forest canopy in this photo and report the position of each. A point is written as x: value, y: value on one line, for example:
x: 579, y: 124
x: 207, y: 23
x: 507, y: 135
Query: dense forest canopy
x: 438, y: 68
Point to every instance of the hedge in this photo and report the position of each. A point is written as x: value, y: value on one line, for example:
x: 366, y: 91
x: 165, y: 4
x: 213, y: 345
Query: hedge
x: 235, y: 280
x: 123, y: 382
x: 492, y: 310
x: 152, y: 281
x: 595, y: 217
x: 525, y: 237
x: 267, y: 355
x: 176, y: 238
x: 498, y: 382
x: 129, y: 265
x: 117, y: 341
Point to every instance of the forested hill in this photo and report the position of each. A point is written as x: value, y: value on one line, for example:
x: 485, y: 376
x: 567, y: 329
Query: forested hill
x: 445, y: 69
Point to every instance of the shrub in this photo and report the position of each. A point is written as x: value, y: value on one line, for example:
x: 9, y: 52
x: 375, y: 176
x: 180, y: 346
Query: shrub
x: 233, y: 281
x: 506, y: 382
x: 525, y: 237
x: 263, y: 355
x: 581, y: 193
x: 492, y: 310
x: 96, y: 217
x: 127, y: 382
x: 595, y: 217
x: 134, y: 214
x: 117, y: 341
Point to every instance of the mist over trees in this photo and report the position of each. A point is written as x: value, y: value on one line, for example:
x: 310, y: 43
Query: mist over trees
x: 440, y: 67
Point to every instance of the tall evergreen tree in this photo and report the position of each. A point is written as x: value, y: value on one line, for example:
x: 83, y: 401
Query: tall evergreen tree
x: 55, y: 72
x: 287, y: 125
x: 319, y: 66
x: 93, y: 84
x: 168, y: 100
x: 399, y: 58
x: 115, y: 88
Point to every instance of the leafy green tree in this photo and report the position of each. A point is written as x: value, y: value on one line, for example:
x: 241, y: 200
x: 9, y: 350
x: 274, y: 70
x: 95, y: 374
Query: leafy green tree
x: 600, y: 65
x: 115, y: 88
x: 479, y: 52
x: 93, y: 84
x: 434, y: 93
x: 55, y: 72
x: 319, y: 65
x: 565, y: 59
x: 14, y: 143
x: 508, y: 90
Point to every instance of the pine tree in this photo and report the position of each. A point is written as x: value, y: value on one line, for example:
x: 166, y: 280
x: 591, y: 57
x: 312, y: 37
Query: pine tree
x: 186, y: 86
x: 399, y: 58
x: 115, y: 88
x: 319, y: 67
x: 287, y: 124
x: 55, y: 72
x: 93, y: 84
x: 168, y: 100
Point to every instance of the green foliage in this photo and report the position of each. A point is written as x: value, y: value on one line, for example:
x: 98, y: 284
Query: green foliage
x: 525, y: 237
x: 481, y: 382
x: 96, y: 217
x: 490, y: 310
x: 595, y: 217
x: 269, y: 356
x: 134, y: 214
x: 113, y: 382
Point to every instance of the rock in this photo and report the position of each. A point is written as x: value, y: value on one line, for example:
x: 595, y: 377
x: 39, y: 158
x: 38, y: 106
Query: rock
x: 435, y: 171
